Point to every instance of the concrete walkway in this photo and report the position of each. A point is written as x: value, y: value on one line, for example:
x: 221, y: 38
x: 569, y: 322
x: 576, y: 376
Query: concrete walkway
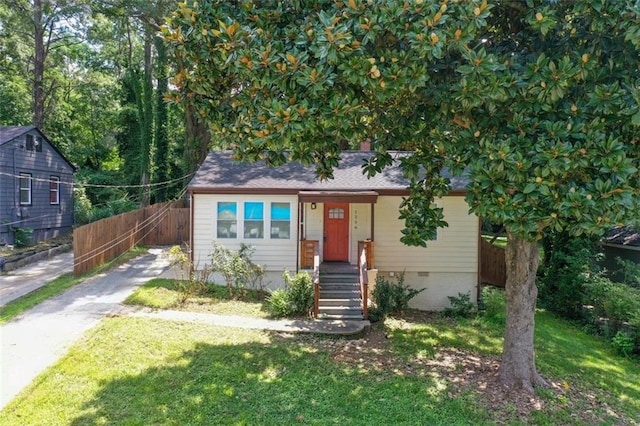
x: 39, y: 336
x: 17, y: 283
x: 342, y: 328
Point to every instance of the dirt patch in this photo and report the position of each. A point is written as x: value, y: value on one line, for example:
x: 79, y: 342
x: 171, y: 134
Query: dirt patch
x: 10, y: 253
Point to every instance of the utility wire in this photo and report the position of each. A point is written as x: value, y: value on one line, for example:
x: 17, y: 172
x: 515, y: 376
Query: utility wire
x: 27, y: 219
x: 95, y: 185
x: 77, y: 262
x: 120, y: 237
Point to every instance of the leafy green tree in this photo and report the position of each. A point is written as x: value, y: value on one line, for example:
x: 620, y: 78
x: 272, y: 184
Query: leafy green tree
x: 536, y: 101
x: 39, y: 29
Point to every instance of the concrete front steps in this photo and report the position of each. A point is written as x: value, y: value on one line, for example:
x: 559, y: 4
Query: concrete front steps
x: 340, y: 297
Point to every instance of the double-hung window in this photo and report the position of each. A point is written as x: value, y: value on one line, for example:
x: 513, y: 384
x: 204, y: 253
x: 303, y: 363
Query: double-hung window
x: 54, y: 190
x: 253, y: 219
x: 25, y: 188
x: 227, y: 220
x: 280, y: 220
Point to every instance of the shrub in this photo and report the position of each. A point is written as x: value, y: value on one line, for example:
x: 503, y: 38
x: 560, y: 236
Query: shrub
x: 623, y: 344
x: 295, y: 299
x: 237, y: 268
x: 278, y: 303
x: 375, y: 314
x: 22, y: 237
x: 191, y: 282
x: 82, y: 208
x: 629, y: 272
x: 616, y: 311
x: 461, y: 306
x: 391, y: 298
x: 495, y: 304
x: 568, y: 268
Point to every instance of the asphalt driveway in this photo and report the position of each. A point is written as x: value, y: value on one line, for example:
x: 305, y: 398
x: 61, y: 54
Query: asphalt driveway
x: 39, y: 336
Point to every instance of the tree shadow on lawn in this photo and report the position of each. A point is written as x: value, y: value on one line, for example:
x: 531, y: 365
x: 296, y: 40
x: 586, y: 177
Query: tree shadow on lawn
x: 275, y: 383
x: 572, y: 355
x: 573, y: 362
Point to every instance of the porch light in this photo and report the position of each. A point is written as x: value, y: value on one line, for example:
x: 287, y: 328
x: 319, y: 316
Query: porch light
x: 313, y: 206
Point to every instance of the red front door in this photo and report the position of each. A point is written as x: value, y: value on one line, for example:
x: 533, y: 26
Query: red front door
x: 336, y: 232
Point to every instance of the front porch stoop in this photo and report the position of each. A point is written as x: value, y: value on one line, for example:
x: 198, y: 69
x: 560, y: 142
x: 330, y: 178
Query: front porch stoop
x: 340, y: 297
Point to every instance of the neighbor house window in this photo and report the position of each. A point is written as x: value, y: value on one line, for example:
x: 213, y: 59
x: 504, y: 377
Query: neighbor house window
x: 54, y: 190
x: 29, y: 144
x: 280, y: 220
x: 227, y: 220
x: 38, y: 143
x: 25, y: 188
x: 253, y: 219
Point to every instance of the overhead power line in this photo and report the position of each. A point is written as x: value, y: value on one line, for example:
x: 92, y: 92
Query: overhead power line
x: 95, y: 185
x: 147, y: 225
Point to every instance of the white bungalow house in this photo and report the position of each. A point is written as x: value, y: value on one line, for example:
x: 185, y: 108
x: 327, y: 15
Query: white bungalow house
x: 288, y: 215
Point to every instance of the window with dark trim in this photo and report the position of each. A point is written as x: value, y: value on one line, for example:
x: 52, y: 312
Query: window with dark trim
x: 29, y: 144
x: 54, y: 190
x: 25, y: 188
x: 38, y: 144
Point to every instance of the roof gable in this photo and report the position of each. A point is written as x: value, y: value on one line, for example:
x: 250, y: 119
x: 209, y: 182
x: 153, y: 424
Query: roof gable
x: 221, y: 173
x: 10, y: 133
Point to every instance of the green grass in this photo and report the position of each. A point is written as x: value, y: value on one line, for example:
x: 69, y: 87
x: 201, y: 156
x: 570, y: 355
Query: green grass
x: 140, y: 371
x: 593, y: 378
x: 160, y: 293
x: 58, y: 285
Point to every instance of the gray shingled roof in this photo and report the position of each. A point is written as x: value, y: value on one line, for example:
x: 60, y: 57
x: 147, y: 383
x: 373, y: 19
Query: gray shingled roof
x: 623, y: 235
x: 220, y: 172
x: 9, y: 133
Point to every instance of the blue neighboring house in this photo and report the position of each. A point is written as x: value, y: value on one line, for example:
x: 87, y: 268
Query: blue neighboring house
x: 36, y: 185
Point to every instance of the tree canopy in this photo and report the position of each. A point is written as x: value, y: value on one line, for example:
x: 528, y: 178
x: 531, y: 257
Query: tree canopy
x: 92, y: 76
x: 536, y: 101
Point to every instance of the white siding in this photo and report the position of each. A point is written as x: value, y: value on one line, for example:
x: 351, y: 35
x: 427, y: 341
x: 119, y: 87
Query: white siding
x: 360, y: 218
x: 277, y: 255
x: 455, y: 250
x: 314, y: 223
x: 446, y: 267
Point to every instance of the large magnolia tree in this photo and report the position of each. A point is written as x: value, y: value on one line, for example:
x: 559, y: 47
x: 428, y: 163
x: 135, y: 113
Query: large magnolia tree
x: 536, y: 101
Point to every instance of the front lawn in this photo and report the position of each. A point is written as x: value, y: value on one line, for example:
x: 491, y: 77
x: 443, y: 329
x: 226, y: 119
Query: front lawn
x: 421, y: 370
x: 161, y: 293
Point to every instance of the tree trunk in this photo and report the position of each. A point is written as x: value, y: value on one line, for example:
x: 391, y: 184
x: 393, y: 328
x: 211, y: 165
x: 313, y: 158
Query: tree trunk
x: 197, y: 138
x: 39, y: 58
x: 147, y: 119
x: 518, y: 368
x: 161, y: 160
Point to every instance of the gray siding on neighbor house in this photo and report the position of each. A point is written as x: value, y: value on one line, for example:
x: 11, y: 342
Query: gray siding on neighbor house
x: 46, y: 219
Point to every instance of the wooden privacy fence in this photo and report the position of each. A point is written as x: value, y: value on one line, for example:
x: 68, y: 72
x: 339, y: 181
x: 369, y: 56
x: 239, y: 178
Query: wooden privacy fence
x: 103, y: 240
x: 493, y: 267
